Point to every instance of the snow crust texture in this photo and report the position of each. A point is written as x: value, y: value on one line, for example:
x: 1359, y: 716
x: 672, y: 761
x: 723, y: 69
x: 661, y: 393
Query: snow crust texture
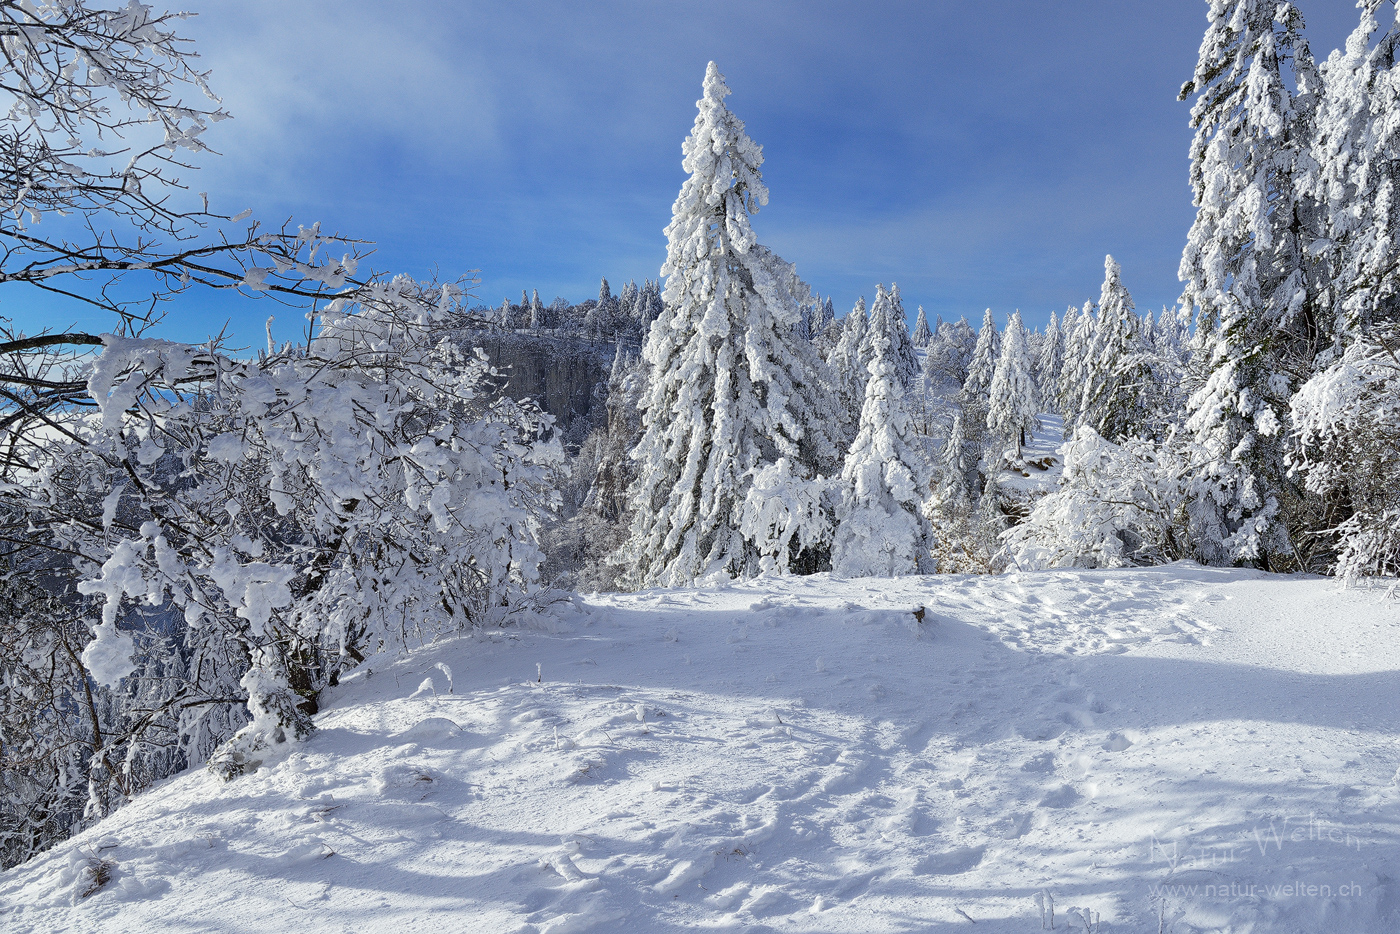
x: 1175, y: 749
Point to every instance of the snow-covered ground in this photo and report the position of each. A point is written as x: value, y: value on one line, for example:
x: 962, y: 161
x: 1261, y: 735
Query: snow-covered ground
x: 1175, y: 749
x: 1041, y: 457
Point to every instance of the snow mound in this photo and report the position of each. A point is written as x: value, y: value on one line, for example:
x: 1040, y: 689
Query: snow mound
x: 1215, y: 750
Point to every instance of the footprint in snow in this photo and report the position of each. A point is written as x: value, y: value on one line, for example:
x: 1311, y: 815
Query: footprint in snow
x: 768, y: 901
x: 951, y: 863
x: 1018, y: 825
x: 1062, y: 797
x: 1045, y: 762
x: 725, y: 898
x: 1071, y: 696
x: 1077, y: 718
x: 1041, y: 732
x: 911, y: 822
x: 431, y: 728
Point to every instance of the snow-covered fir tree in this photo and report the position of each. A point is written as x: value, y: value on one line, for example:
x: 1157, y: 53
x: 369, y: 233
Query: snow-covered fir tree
x: 1343, y: 418
x: 536, y: 311
x: 1068, y: 321
x: 922, y: 333
x: 1172, y: 333
x: 849, y: 368
x: 981, y: 368
x: 1117, y: 380
x: 732, y: 387
x: 1246, y: 271
x: 804, y: 321
x: 957, y: 468
x: 1074, y: 372
x: 1049, y: 360
x: 1011, y: 410
x: 960, y: 544
x: 948, y: 357
x: 888, y: 321
x: 601, y: 320
x: 990, y: 519
x: 830, y: 336
x: 647, y: 308
x: 823, y: 315
x: 882, y: 531
x: 1356, y: 146
x: 1166, y: 344
x: 627, y: 300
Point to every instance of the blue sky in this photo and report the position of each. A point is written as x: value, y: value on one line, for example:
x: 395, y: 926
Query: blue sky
x: 978, y: 153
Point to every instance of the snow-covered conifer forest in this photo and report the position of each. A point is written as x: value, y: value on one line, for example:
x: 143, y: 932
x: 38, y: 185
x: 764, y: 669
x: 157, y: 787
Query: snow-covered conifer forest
x: 697, y: 604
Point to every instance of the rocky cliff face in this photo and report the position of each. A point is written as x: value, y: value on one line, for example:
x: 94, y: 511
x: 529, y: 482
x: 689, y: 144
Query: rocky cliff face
x: 566, y: 374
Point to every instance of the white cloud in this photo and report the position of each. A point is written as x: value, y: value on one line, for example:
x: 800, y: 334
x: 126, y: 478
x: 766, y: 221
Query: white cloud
x: 301, y: 77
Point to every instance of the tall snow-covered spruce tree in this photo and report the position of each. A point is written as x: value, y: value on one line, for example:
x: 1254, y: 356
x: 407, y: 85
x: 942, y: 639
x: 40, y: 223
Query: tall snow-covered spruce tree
x: 1247, y: 272
x: 1344, y: 418
x: 734, y: 388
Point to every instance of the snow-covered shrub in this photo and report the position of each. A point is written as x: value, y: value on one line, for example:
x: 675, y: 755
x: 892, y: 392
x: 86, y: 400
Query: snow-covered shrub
x: 276, y: 720
x: 1347, y: 424
x: 191, y: 505
x: 1117, y: 505
x: 309, y: 507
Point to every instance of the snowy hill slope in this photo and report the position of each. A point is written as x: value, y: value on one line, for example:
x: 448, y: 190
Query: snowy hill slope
x: 1211, y: 747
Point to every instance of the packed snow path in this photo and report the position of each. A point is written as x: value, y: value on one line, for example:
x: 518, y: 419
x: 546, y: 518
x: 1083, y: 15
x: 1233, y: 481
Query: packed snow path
x: 1176, y: 749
